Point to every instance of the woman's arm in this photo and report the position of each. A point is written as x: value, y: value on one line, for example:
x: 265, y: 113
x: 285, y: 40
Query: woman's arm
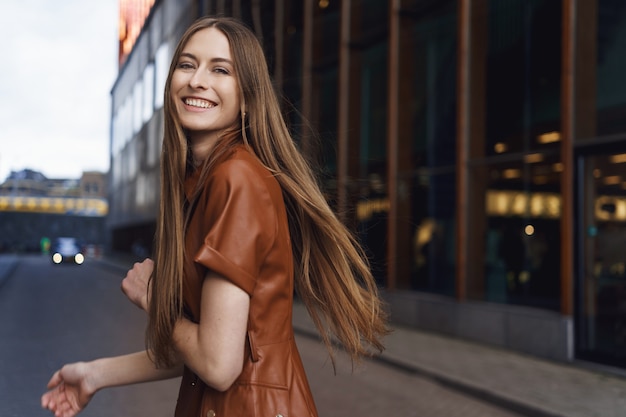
x: 72, y: 387
x: 214, y: 348
x: 129, y: 369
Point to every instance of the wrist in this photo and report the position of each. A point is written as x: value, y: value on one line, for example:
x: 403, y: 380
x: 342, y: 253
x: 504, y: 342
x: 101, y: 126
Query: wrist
x: 94, y: 374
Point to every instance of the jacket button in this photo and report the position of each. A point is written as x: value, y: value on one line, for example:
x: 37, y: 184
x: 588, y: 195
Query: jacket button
x: 210, y: 413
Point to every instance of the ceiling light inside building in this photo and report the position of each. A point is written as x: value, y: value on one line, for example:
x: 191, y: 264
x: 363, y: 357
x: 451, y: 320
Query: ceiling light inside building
x: 612, y: 180
x: 529, y: 230
x: 510, y: 174
x: 533, y: 158
x: 618, y: 159
x: 500, y: 147
x: 549, y: 137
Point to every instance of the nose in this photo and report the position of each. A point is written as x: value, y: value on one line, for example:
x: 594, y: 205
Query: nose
x: 200, y: 80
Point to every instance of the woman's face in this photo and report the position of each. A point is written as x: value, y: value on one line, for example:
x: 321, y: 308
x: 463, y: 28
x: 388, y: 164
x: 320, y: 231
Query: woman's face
x: 204, y: 87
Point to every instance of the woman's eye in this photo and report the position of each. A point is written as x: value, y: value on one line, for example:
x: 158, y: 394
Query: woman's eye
x: 221, y: 70
x: 184, y: 65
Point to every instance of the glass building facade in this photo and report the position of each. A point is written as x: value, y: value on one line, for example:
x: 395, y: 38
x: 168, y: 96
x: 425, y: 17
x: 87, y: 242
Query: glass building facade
x: 477, y: 148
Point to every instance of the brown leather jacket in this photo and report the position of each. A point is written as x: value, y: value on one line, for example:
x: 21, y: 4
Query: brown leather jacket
x: 239, y: 230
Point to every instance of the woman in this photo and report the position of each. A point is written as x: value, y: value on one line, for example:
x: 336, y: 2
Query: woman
x: 241, y: 222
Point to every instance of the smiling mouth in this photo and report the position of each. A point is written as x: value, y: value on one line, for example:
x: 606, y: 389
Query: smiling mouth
x: 195, y: 102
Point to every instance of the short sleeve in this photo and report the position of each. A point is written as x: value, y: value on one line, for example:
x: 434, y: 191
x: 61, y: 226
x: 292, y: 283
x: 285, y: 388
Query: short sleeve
x: 241, y: 223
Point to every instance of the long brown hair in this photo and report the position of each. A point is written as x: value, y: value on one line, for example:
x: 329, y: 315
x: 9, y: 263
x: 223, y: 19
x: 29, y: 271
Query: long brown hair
x: 332, y: 275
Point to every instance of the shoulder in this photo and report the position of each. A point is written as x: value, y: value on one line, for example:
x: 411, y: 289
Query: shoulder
x: 241, y: 164
x: 240, y: 179
x: 243, y: 171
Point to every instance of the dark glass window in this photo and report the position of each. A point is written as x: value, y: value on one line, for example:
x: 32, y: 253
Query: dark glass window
x: 601, y: 319
x: 523, y: 75
x: 520, y: 168
x: 429, y: 82
x: 611, y: 67
x: 601, y: 290
x: 372, y: 205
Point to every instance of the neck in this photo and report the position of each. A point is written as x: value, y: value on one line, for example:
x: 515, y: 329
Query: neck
x: 202, y: 146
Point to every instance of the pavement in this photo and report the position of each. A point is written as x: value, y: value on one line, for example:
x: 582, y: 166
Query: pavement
x: 523, y: 384
x: 8, y: 262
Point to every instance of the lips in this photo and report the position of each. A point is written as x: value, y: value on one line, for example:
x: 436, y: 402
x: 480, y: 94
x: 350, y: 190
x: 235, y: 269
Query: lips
x: 199, y: 103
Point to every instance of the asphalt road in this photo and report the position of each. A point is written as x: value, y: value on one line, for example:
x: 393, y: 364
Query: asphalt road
x: 54, y: 314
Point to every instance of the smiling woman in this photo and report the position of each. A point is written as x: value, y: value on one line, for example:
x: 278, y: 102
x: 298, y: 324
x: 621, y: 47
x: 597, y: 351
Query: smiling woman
x: 241, y: 224
x: 205, y: 90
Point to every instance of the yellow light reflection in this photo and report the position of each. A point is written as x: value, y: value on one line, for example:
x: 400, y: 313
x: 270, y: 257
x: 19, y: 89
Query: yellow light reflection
x: 618, y: 159
x: 549, y: 137
x: 612, y: 180
x: 533, y: 158
x: 500, y: 147
x: 529, y: 230
x: 511, y: 173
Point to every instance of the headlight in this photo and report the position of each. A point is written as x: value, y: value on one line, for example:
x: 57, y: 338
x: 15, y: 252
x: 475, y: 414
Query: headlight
x: 79, y: 258
x: 57, y: 258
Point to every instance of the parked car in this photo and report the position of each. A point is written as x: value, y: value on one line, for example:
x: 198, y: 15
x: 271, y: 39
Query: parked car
x: 67, y: 250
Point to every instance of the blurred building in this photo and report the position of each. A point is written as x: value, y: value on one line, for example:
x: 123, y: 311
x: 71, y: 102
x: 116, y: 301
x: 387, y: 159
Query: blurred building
x: 34, y: 207
x: 30, y: 183
x: 478, y: 147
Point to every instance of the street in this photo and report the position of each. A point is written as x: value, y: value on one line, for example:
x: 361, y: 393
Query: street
x: 53, y: 314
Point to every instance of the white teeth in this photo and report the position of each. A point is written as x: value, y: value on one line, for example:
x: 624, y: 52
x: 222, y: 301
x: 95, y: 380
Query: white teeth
x: 198, y: 103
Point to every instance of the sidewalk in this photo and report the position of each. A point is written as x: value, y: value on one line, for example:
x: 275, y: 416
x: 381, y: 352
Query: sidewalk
x: 521, y: 383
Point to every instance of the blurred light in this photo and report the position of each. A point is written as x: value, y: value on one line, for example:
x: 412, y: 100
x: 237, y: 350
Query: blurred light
x: 533, y: 158
x: 529, y: 230
x: 323, y: 4
x: 558, y: 167
x: 597, y: 173
x: 511, y: 173
x: 79, y: 258
x: 612, y: 180
x: 132, y: 16
x: 549, y: 137
x: 524, y: 277
x: 618, y: 159
x: 57, y: 258
x: 500, y: 147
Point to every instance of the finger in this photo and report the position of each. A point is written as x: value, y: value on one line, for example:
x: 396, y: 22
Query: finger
x: 124, y: 284
x: 64, y: 409
x: 55, y: 380
x: 46, y: 401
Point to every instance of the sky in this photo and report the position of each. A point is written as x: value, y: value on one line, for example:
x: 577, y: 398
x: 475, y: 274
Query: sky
x: 58, y: 63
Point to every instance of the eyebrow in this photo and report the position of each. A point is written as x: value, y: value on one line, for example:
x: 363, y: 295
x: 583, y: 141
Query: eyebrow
x: 213, y: 60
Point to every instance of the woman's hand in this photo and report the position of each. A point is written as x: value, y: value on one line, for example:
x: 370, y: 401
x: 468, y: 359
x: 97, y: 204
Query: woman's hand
x: 69, y: 391
x: 135, y: 284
